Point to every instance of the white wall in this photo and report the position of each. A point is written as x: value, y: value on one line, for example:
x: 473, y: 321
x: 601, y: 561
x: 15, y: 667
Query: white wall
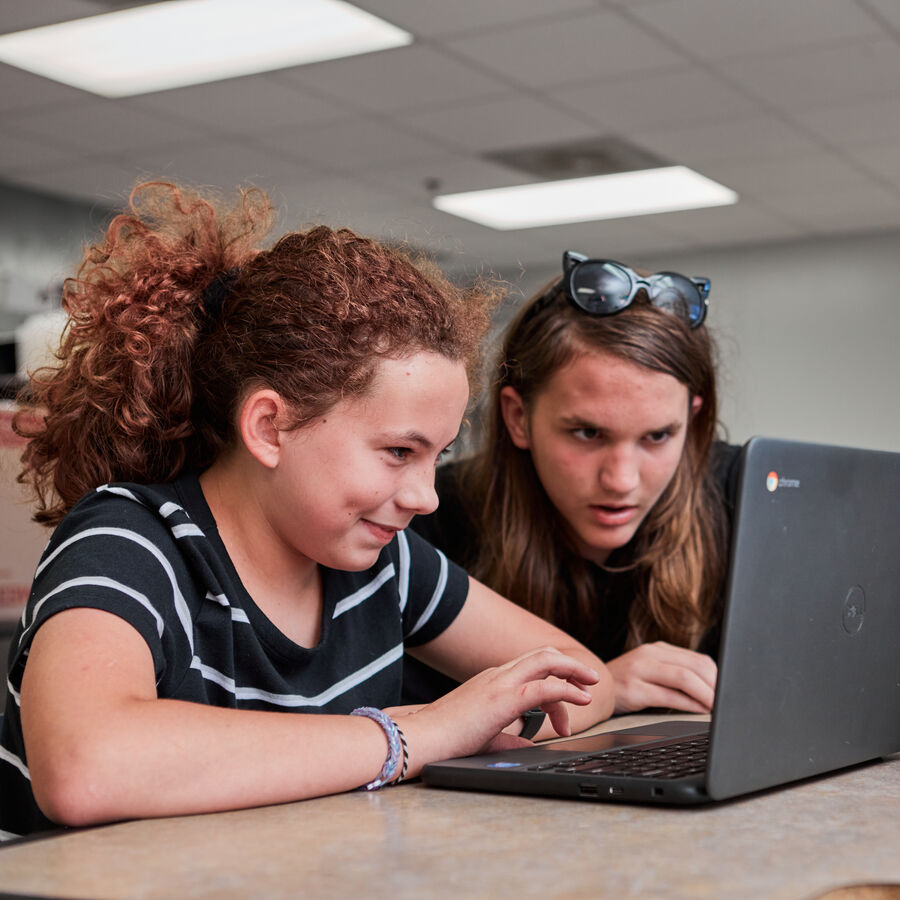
x: 808, y: 334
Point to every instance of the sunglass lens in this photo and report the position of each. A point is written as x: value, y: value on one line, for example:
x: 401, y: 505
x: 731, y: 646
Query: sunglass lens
x: 678, y: 295
x: 600, y: 287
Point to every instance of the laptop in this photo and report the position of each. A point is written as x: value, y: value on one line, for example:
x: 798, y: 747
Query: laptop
x: 809, y: 661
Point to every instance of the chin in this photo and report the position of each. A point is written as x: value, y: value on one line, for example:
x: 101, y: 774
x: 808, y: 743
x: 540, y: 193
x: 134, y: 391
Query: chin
x: 607, y: 547
x: 356, y: 562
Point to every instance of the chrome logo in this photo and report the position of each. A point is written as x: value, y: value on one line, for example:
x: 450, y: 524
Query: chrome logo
x: 772, y: 482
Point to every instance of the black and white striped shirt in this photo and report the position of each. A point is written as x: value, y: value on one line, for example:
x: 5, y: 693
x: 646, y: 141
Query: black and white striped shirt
x: 152, y: 555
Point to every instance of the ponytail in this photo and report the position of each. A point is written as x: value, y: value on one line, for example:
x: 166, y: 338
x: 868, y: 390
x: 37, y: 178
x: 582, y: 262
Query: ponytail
x: 117, y: 407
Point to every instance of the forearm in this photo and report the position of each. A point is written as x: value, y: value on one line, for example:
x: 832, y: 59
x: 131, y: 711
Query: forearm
x: 167, y: 757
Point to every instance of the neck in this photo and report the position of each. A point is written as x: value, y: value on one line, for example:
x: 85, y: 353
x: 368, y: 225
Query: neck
x: 272, y: 572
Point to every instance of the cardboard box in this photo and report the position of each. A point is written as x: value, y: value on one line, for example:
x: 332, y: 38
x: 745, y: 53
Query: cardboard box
x: 22, y: 541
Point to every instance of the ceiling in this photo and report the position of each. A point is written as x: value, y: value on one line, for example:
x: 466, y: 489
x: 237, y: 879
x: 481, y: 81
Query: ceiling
x: 794, y: 104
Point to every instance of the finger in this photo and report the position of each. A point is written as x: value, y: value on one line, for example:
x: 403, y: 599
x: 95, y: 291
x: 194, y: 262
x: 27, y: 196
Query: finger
x: 546, y: 661
x: 686, y: 681
x: 699, y: 663
x: 665, y: 698
x: 559, y: 718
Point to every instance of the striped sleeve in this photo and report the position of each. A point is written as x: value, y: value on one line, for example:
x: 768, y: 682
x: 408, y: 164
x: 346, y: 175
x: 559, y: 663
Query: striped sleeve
x: 432, y: 589
x: 114, y: 554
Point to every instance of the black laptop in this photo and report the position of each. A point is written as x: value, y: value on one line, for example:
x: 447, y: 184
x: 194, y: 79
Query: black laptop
x: 809, y: 664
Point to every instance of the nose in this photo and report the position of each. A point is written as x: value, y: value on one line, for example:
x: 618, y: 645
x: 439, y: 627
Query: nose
x: 620, y: 470
x: 417, y: 494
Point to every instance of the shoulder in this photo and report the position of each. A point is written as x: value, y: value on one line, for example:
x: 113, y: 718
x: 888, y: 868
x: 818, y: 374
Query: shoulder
x: 121, y: 550
x: 113, y: 509
x: 419, y: 564
x: 126, y: 538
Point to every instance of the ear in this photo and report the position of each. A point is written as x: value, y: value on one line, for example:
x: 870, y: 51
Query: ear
x: 696, y: 403
x: 513, y: 410
x: 260, y: 413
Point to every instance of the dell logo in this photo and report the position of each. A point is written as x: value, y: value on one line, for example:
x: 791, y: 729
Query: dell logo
x: 854, y: 609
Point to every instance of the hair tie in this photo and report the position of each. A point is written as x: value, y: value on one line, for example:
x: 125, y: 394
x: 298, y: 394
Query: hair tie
x: 215, y: 292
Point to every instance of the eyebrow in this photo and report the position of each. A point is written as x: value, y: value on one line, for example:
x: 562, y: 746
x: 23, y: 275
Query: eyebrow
x: 579, y: 422
x: 415, y: 437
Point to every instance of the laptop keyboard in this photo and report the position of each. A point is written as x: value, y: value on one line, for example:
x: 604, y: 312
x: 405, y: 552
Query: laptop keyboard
x: 675, y: 760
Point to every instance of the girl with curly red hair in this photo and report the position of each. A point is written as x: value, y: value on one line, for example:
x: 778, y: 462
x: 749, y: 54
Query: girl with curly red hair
x: 231, y: 448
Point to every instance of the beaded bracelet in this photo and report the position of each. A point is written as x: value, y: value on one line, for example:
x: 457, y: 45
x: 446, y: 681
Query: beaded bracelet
x: 398, y: 753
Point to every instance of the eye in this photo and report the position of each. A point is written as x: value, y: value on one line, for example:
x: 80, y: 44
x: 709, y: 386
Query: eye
x: 659, y: 437
x: 400, y: 453
x: 586, y: 433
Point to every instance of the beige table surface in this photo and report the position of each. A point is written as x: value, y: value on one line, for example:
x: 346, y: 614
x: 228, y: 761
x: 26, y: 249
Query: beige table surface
x: 415, y: 841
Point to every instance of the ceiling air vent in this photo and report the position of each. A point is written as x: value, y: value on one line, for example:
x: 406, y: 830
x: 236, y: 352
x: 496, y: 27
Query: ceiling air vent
x: 578, y: 159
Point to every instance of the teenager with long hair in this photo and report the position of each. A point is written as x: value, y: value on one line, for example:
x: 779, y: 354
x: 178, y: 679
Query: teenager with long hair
x: 599, y: 499
x: 230, y: 450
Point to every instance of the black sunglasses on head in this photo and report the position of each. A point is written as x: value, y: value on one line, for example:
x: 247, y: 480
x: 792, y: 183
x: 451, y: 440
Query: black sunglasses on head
x: 604, y: 287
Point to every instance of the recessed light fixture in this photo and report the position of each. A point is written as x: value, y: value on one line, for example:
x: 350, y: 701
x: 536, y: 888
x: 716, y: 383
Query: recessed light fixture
x: 616, y: 196
x: 180, y: 42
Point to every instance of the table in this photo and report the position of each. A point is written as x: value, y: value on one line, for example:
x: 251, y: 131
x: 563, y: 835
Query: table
x: 416, y: 841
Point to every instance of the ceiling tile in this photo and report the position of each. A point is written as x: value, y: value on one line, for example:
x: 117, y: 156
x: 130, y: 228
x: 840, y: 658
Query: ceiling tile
x: 682, y: 95
x: 106, y: 127
x: 621, y: 239
x: 881, y: 159
x: 351, y: 146
x: 824, y: 76
x: 445, y: 174
x: 22, y: 91
x: 434, y: 19
x: 750, y: 138
x: 514, y: 121
x: 406, y: 78
x: 215, y: 164
x: 91, y: 182
x: 744, y: 222
x: 851, y: 124
x: 889, y: 9
x: 19, y: 156
x: 335, y: 200
x: 788, y: 175
x: 569, y: 48
x: 829, y: 212
x: 794, y: 103
x: 240, y: 105
x: 20, y: 16
x: 719, y: 29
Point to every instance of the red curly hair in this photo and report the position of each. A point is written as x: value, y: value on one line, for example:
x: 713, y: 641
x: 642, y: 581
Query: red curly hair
x: 148, y: 384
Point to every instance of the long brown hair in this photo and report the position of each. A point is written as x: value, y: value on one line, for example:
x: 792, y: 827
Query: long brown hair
x: 525, y: 551
x: 150, y: 378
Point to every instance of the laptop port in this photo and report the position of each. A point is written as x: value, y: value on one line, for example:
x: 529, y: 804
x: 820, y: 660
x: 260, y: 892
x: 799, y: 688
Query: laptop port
x: 588, y: 790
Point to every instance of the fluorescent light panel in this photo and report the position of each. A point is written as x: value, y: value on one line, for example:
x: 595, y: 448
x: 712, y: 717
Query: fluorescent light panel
x: 587, y: 199
x: 181, y: 42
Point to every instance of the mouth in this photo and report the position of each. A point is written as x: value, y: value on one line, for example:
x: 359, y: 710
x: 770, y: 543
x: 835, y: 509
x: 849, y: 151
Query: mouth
x: 613, y: 515
x: 382, y: 533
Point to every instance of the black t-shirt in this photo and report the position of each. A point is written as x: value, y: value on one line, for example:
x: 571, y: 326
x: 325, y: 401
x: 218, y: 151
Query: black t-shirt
x: 454, y: 528
x: 152, y: 555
